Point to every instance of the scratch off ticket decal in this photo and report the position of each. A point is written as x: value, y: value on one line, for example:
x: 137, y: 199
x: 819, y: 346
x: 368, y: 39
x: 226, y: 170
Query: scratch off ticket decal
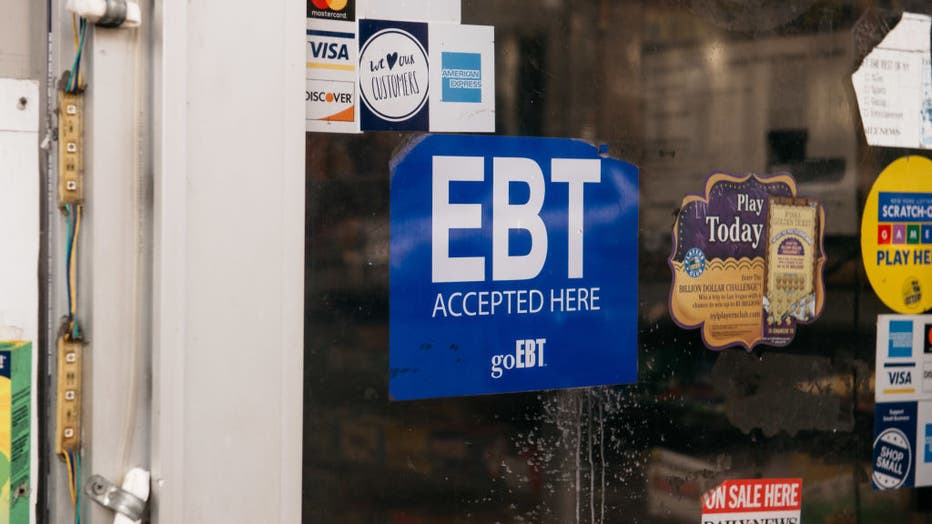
x: 896, y: 235
x: 747, y: 261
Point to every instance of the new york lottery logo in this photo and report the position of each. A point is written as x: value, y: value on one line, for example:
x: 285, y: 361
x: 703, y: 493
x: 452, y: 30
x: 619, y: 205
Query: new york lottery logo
x: 462, y: 77
x: 904, y: 218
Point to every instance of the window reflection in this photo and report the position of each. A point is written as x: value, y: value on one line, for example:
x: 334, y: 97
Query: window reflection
x: 680, y: 89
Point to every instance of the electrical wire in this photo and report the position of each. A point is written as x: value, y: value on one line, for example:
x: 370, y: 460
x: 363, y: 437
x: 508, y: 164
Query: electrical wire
x: 68, y: 464
x: 74, y: 29
x: 80, y: 34
x: 73, y: 272
x: 73, y: 214
x: 77, y: 488
x: 68, y: 247
x: 73, y: 462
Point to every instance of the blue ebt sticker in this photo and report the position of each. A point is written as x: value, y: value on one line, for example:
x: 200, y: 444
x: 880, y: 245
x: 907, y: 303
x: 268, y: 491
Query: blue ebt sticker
x: 513, y: 266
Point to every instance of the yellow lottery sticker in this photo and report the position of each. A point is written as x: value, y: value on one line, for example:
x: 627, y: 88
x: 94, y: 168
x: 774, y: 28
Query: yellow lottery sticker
x: 896, y: 235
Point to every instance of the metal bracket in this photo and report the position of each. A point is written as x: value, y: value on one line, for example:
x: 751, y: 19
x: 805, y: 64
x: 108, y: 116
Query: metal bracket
x: 115, y: 14
x: 111, y: 496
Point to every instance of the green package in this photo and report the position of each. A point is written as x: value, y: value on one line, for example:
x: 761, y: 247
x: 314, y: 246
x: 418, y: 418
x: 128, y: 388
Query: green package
x: 15, y: 415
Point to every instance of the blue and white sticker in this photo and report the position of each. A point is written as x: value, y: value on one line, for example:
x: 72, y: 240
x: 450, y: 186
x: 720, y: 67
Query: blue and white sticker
x: 903, y: 407
x: 394, y: 74
x: 893, y: 457
x: 417, y: 76
x: 694, y: 262
x: 513, y: 267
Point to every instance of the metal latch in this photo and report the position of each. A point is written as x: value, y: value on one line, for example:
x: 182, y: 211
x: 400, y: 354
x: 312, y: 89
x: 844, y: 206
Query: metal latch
x: 111, y: 496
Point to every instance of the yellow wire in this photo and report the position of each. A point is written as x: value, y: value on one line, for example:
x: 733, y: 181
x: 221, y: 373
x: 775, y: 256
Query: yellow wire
x: 72, y: 264
x: 74, y: 30
x: 77, y: 44
x: 70, y: 476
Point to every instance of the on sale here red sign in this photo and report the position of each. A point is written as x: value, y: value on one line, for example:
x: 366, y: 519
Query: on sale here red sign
x: 753, y: 501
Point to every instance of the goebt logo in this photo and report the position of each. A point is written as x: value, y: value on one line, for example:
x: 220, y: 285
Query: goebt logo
x: 529, y: 353
x: 333, y: 5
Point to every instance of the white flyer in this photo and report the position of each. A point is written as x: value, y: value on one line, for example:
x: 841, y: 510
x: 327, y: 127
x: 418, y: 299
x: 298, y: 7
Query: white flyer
x: 894, y: 87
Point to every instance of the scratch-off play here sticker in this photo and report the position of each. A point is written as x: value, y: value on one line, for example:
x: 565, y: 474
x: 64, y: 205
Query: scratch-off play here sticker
x: 896, y: 235
x: 747, y: 261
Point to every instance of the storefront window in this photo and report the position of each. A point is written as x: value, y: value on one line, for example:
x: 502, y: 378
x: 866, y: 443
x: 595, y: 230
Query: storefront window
x: 682, y: 90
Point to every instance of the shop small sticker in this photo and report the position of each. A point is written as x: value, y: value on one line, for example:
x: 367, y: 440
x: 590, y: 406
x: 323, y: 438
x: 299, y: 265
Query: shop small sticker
x: 892, y: 459
x: 747, y: 261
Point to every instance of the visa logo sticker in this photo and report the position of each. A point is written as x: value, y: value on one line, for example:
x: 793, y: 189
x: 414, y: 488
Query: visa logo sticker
x: 899, y: 378
x: 330, y: 50
x: 513, y: 267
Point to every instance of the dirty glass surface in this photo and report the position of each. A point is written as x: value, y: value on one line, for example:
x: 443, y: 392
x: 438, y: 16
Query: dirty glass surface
x: 681, y: 89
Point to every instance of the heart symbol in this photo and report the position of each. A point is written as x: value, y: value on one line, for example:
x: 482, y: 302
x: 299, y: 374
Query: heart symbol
x: 392, y: 59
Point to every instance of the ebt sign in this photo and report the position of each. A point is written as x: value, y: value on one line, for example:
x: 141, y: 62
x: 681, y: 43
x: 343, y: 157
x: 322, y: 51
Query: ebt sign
x: 513, y: 267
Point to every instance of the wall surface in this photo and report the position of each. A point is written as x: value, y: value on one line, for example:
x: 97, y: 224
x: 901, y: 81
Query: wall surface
x: 22, y: 39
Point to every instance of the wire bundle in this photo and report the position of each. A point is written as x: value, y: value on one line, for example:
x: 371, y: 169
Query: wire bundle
x: 73, y: 461
x: 79, y: 26
x: 73, y: 214
x: 73, y: 458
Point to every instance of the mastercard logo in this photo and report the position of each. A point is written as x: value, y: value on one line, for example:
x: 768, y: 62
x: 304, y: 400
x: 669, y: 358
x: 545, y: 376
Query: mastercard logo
x: 334, y: 5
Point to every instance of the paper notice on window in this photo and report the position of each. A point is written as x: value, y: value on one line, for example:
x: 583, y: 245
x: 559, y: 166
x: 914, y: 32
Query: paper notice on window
x: 894, y: 87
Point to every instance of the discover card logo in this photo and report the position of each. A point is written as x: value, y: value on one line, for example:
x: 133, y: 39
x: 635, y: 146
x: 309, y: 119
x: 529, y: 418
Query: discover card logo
x: 462, y: 77
x: 330, y: 100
